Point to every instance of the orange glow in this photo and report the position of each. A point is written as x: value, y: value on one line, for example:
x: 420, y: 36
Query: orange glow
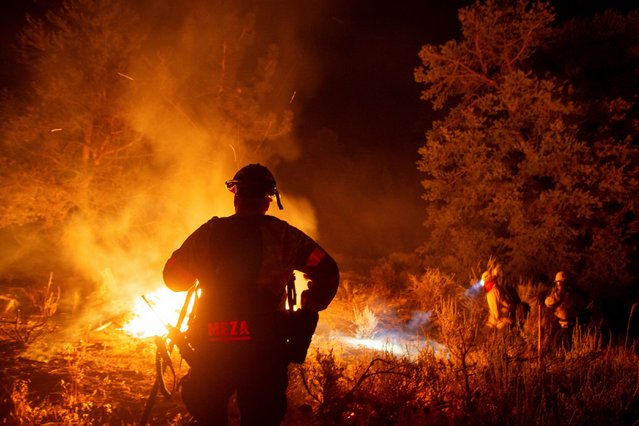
x: 396, y: 344
x: 167, y: 305
x: 166, y: 310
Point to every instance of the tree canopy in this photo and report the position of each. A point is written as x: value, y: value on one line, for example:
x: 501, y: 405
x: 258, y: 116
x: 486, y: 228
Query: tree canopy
x: 129, y: 114
x: 528, y: 163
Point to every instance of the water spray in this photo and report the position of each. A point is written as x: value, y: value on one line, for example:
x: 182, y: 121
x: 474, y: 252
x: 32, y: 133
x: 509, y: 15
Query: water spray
x: 474, y: 289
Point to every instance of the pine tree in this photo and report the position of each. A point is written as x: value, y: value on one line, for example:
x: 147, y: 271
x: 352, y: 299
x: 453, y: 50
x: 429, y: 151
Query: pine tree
x: 71, y: 143
x: 132, y: 117
x: 509, y: 170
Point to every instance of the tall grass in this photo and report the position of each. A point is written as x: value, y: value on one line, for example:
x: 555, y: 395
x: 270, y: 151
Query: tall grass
x: 518, y: 376
x: 521, y: 376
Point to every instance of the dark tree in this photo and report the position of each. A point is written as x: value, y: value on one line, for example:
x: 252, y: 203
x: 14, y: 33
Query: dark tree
x: 511, y: 170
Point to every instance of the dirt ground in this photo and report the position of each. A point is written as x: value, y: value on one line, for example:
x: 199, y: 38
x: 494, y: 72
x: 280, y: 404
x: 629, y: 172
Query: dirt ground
x: 97, y: 377
x: 80, y: 374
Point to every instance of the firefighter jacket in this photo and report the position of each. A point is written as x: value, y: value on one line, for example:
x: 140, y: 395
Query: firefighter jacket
x: 243, y: 264
x: 500, y: 307
x: 566, y: 304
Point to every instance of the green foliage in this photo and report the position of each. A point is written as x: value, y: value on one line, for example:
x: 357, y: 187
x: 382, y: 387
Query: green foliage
x: 509, y: 170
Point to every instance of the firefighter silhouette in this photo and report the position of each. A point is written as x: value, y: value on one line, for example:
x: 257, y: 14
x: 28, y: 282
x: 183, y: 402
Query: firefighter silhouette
x: 239, y: 331
x: 568, y: 304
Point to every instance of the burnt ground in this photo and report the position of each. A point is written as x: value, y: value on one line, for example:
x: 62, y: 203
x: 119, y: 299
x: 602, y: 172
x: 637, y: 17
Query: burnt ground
x: 57, y: 369
x: 97, y: 377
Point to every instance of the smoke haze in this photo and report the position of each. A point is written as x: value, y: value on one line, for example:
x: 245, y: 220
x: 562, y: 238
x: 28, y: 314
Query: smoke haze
x: 197, y: 102
x: 217, y: 85
x: 208, y: 91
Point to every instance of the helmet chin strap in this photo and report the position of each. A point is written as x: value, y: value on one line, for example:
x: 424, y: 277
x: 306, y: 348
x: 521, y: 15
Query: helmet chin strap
x: 277, y: 198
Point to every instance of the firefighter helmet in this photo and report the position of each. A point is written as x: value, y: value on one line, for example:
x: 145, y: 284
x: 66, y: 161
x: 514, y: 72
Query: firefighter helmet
x: 255, y: 181
x: 561, y: 276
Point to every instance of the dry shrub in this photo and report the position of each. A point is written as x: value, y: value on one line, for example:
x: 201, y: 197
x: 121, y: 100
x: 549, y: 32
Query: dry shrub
x: 350, y: 295
x: 67, y: 410
x: 70, y: 402
x: 460, y: 323
x: 365, y: 322
x: 389, y: 300
x: 32, y: 311
x: 584, y: 384
x: 385, y: 391
x: 377, y: 388
x: 362, y: 307
x: 388, y: 288
x: 21, y: 410
x: 518, y: 374
x: 323, y: 378
x: 437, y: 394
x: 482, y: 377
x: 431, y: 287
x: 593, y: 383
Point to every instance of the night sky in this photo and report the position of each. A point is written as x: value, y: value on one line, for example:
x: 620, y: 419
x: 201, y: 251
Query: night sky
x: 360, y: 123
x: 369, y: 103
x: 368, y: 100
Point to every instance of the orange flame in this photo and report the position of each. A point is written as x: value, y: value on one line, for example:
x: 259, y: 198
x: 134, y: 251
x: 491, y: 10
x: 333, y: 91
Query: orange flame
x: 167, y: 304
x: 147, y: 322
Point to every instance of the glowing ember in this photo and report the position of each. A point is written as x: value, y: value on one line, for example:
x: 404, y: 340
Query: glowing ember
x: 166, y: 310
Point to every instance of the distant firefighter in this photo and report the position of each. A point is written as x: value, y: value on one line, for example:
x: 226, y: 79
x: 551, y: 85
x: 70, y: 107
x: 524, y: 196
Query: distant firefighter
x: 501, y: 307
x: 566, y: 301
